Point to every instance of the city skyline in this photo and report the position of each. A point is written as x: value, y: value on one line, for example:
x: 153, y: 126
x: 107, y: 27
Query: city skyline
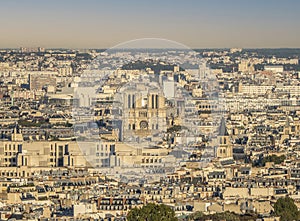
x: 97, y: 24
x: 150, y: 110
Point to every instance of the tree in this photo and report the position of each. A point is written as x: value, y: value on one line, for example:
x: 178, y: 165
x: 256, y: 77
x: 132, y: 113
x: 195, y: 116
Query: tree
x: 274, y: 158
x: 286, y: 209
x: 152, y: 212
x: 228, y: 216
x: 196, y: 216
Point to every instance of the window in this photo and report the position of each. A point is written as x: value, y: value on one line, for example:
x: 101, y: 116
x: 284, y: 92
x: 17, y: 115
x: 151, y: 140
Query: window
x: 133, y: 101
x: 152, y: 101
x: 129, y: 101
x: 20, y: 148
x: 142, y: 114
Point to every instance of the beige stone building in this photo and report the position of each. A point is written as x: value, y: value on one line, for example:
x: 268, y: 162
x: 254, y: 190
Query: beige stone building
x: 144, y: 112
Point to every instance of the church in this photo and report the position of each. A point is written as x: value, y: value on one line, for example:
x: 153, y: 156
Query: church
x: 224, y: 145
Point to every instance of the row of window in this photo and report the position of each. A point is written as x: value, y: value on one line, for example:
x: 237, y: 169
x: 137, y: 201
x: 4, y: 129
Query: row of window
x: 102, y: 154
x: 14, y: 147
x: 15, y: 174
x: 10, y: 153
x: 151, y: 160
x: 208, y: 106
x: 133, y: 127
x: 105, y: 147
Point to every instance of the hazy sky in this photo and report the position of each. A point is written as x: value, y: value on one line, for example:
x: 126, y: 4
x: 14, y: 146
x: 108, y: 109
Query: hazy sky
x: 195, y: 23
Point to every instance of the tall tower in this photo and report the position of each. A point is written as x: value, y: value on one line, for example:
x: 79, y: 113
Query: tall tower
x: 224, y: 149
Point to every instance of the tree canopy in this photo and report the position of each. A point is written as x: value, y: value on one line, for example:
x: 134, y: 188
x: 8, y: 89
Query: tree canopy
x: 152, y: 212
x: 274, y: 158
x: 228, y: 216
x: 286, y: 209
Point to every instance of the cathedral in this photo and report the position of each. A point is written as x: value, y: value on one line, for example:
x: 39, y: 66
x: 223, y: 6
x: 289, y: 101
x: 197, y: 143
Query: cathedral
x: 144, y: 112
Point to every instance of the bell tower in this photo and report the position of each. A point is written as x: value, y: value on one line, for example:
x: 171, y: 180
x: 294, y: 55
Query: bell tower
x: 224, y: 148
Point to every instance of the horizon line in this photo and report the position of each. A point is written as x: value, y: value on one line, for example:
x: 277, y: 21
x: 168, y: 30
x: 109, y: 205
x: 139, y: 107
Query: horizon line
x: 112, y: 48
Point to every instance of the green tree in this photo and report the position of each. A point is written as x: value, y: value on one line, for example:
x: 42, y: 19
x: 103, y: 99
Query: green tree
x: 152, y: 212
x: 228, y: 216
x: 286, y: 209
x: 196, y: 216
x: 274, y: 158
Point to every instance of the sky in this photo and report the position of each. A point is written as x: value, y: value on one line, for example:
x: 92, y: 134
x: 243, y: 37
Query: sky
x: 194, y: 23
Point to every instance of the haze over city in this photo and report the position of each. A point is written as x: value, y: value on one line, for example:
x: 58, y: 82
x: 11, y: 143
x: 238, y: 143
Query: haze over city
x: 103, y: 24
